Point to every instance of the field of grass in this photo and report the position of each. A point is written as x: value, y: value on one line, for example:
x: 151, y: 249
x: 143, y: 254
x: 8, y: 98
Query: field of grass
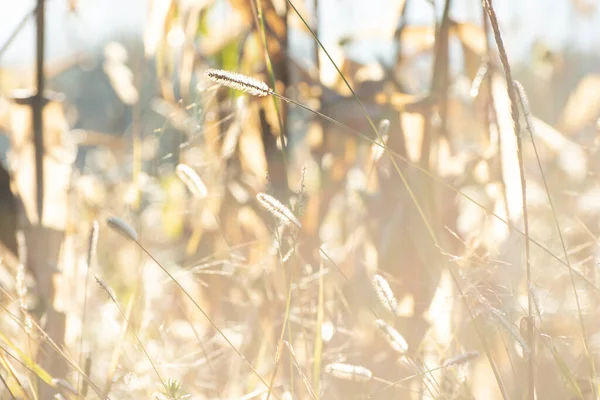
x: 270, y: 227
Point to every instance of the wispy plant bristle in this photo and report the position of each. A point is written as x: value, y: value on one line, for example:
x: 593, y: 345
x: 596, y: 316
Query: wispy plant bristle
x: 122, y: 227
x: 278, y: 210
x: 191, y: 180
x: 461, y: 358
x: 104, y: 286
x: 236, y: 81
x: 394, y: 338
x: 385, y: 294
x: 349, y: 372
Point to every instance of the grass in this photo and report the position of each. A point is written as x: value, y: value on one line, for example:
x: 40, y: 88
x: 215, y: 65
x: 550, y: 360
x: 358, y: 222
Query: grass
x: 370, y: 275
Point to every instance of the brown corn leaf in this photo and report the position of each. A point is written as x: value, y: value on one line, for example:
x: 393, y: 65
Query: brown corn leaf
x: 583, y: 106
x: 471, y: 36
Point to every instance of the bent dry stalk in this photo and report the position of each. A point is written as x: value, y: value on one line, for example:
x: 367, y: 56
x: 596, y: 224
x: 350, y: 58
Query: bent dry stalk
x: 122, y: 227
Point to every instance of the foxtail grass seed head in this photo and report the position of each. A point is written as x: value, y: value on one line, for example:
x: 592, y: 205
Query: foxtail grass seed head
x: 191, y: 180
x: 278, y: 210
x: 104, y: 286
x: 461, y: 358
x: 349, y: 372
x: 385, y: 294
x: 394, y: 338
x: 93, y: 243
x: 233, y: 80
x: 118, y: 225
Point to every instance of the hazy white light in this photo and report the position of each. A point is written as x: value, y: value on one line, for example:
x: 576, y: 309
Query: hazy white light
x: 327, y: 331
x: 176, y: 37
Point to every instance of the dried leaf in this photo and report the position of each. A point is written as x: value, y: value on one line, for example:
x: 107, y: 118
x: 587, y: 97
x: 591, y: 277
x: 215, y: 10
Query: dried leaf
x: 583, y: 106
x: 119, y: 74
x: 413, y: 125
x: 471, y: 36
x: 155, y: 25
x: 508, y: 152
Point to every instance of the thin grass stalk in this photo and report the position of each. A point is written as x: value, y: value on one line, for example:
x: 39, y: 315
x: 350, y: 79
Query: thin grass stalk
x: 87, y: 369
x: 210, y: 320
x: 21, y: 293
x: 263, y: 36
x: 415, y: 201
x: 9, y: 368
x: 530, y: 128
x: 418, y: 374
x: 286, y: 317
x: 288, y: 312
x: 136, y: 131
x: 310, y: 390
x: 29, y: 367
x: 12, y: 396
x: 512, y: 365
x: 491, y: 104
x: 512, y: 95
x: 13, y: 35
x: 92, y: 245
x: 45, y: 336
x: 269, y: 202
x: 110, y: 294
x: 116, y: 353
x: 202, y: 347
x: 318, y: 350
x: 439, y: 84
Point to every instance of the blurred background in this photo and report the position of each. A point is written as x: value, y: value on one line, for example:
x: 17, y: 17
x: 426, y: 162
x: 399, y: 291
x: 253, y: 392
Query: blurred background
x: 135, y: 129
